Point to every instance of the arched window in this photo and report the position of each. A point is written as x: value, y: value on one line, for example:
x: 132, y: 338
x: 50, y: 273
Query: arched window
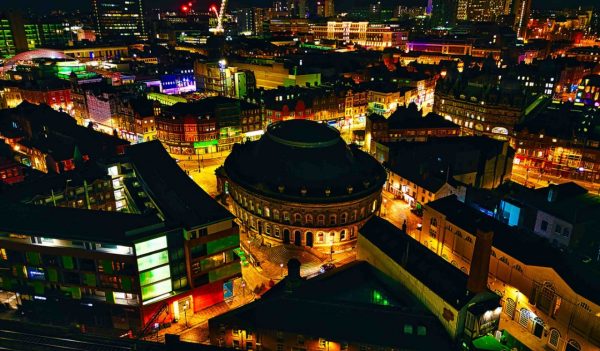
x: 468, y: 239
x: 267, y: 212
x: 343, y: 234
x: 553, y: 338
x: 320, y: 237
x: 458, y: 233
x: 343, y: 218
x: 297, y: 217
x: 276, y: 215
x: 573, y: 345
x: 353, y: 216
x: 332, y: 219
x: 276, y: 232
x: 504, y: 260
x: 309, y: 219
x: 518, y: 268
x: 286, y: 216
x: 321, y: 219
x: 267, y: 229
x: 362, y: 212
x: 546, y: 298
x: 433, y: 222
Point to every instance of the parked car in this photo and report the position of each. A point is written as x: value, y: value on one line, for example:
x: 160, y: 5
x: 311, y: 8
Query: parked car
x: 326, y: 267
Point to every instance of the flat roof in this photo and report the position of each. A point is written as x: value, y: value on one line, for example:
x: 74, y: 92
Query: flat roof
x: 72, y: 223
x: 447, y: 281
x: 582, y: 277
x: 175, y: 193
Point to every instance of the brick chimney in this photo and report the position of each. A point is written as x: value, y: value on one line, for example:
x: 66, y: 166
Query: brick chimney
x: 480, y: 264
x: 293, y: 279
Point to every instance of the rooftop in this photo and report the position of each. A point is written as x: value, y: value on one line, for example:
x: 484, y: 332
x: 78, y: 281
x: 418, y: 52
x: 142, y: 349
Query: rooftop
x: 74, y: 224
x: 337, y: 297
x: 180, y: 199
x: 444, y: 279
x: 582, y: 277
x: 304, y: 161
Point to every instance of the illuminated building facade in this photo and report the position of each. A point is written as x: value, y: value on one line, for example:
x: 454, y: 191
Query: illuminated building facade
x: 463, y: 304
x: 482, y: 110
x: 539, y: 288
x: 117, y: 270
x: 119, y: 19
x: 588, y: 91
x: 301, y: 184
x: 371, y: 35
x: 521, y: 10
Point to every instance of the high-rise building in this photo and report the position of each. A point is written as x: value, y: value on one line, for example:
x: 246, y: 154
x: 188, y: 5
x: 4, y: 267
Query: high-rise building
x: 521, y: 10
x: 481, y: 10
x: 444, y: 12
x: 329, y: 9
x: 119, y: 19
x: 297, y: 8
x: 12, y: 34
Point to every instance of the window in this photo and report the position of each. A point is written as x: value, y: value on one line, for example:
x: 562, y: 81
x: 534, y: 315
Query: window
x: 321, y: 220
x: 565, y: 232
x: 320, y: 237
x: 267, y: 212
x: 309, y: 219
x: 558, y: 229
x: 433, y: 222
x: 286, y: 216
x: 343, y: 218
x: 408, y: 329
x: 276, y: 215
x: 332, y: 219
x: 343, y: 234
x: 554, y: 337
x: 544, y: 226
x: 421, y: 330
x: 297, y: 217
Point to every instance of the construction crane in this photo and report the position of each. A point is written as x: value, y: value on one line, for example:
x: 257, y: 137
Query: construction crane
x: 220, y: 15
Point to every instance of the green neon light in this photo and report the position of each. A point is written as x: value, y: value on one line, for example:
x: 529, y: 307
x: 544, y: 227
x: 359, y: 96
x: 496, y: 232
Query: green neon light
x: 154, y: 260
x: 151, y: 245
x: 155, y: 275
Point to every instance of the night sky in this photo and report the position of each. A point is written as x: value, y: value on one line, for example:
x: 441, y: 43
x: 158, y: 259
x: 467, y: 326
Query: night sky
x: 84, y: 5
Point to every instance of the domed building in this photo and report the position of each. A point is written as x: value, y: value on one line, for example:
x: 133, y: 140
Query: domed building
x: 302, y: 184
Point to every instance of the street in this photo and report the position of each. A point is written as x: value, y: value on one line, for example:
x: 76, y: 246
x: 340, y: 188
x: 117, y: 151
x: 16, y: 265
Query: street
x: 531, y: 177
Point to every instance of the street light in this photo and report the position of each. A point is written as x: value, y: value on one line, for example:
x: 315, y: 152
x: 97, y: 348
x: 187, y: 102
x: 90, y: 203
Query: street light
x: 185, y: 308
x: 281, y: 266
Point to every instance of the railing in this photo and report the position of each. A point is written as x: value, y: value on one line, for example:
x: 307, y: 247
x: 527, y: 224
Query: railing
x: 151, y: 321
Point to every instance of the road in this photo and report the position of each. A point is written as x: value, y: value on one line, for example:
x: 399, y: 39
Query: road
x: 531, y: 177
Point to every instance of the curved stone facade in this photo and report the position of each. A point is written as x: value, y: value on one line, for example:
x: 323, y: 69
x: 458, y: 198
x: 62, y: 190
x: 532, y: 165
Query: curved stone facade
x: 325, y: 227
x: 302, y: 184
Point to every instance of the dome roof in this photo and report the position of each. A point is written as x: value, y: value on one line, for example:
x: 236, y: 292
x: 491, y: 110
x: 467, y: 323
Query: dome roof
x: 304, y: 161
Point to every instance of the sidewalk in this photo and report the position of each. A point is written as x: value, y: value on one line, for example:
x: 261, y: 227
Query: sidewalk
x: 197, y: 326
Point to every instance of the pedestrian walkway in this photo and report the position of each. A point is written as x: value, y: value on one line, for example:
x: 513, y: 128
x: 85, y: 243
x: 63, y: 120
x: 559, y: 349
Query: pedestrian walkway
x: 270, y: 263
x: 194, y: 327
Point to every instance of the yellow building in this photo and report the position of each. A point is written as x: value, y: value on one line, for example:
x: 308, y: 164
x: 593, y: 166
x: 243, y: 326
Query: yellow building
x: 554, y: 297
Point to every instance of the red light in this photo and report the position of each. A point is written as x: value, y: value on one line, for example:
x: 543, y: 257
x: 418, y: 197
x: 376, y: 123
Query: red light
x: 184, y: 8
x: 190, y: 4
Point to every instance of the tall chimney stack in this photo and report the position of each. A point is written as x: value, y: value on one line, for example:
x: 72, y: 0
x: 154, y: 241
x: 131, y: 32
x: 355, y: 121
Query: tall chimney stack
x: 480, y: 264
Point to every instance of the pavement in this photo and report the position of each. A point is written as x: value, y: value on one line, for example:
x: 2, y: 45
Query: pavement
x: 194, y: 327
x: 533, y: 178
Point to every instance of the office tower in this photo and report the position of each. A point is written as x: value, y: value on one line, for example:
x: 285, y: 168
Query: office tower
x: 481, y: 10
x: 119, y: 19
x: 329, y: 9
x: 12, y: 34
x: 521, y: 10
x: 444, y: 12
